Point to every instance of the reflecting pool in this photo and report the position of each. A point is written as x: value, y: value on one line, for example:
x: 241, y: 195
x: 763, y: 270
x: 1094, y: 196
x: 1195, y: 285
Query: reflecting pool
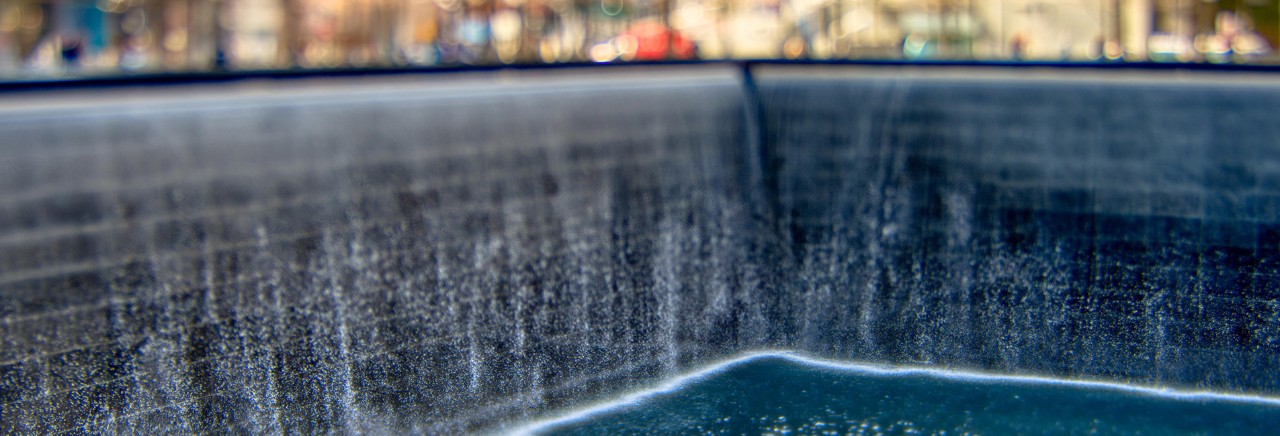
x: 783, y: 394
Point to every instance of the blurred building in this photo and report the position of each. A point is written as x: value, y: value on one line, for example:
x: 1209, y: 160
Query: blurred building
x: 57, y: 37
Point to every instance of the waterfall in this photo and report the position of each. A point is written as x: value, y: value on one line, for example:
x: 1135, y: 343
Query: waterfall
x: 454, y: 255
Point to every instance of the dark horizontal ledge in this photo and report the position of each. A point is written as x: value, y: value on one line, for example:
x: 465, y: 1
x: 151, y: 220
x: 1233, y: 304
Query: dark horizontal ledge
x: 164, y: 78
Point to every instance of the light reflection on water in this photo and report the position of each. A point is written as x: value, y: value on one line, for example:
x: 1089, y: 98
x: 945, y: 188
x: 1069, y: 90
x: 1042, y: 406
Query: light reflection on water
x: 781, y: 393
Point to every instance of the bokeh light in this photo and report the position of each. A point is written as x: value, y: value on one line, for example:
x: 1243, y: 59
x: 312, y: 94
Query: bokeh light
x: 52, y: 38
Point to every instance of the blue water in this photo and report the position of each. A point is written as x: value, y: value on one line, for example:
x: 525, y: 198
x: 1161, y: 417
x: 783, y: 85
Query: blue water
x: 783, y: 395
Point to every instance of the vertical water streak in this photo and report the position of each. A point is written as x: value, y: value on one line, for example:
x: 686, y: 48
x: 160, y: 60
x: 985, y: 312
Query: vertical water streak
x: 877, y: 216
x: 333, y: 270
x: 668, y: 286
x: 276, y: 313
x: 517, y: 257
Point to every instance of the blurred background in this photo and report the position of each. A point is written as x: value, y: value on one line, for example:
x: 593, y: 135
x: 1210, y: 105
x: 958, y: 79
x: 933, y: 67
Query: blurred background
x: 41, y: 38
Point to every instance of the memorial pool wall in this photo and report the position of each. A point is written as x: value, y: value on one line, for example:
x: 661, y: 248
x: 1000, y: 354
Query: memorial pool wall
x: 465, y: 252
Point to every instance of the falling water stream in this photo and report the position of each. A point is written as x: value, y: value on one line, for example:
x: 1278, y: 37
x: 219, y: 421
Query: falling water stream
x: 459, y: 253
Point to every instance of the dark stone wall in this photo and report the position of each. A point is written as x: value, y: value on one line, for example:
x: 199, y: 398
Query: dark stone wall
x: 463, y: 254
x: 435, y: 257
x: 1084, y: 228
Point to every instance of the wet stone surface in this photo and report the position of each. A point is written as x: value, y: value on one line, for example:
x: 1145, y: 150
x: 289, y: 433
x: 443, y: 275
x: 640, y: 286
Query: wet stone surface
x: 442, y: 260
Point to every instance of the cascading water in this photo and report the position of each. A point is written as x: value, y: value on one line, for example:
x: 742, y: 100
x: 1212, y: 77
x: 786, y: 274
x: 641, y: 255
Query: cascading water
x: 467, y: 253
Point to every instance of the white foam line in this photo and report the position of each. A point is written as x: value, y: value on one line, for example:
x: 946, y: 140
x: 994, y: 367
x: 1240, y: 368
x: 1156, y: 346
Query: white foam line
x: 635, y: 397
x: 1029, y: 379
x: 681, y: 381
